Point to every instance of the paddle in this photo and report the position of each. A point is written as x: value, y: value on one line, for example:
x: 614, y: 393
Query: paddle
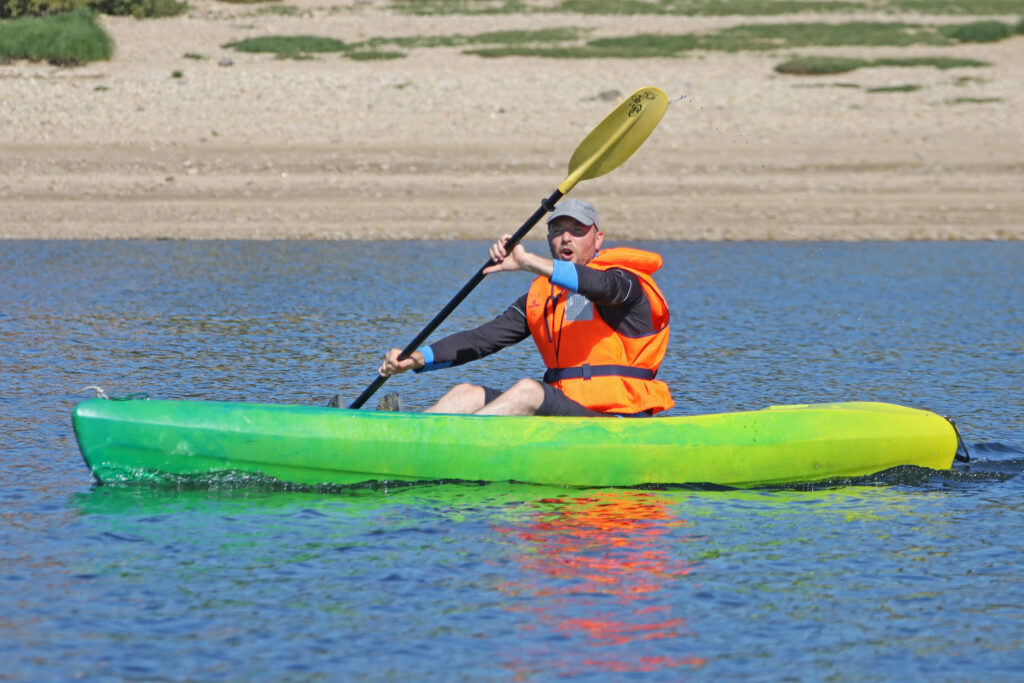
x: 613, y: 141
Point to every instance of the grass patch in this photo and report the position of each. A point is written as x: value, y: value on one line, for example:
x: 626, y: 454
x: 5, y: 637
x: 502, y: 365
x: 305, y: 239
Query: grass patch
x: 647, y: 45
x: 544, y: 36
x: 299, y: 47
x: 279, y: 10
x: 895, y: 88
x: 708, y: 7
x: 821, y: 66
x: 289, y: 47
x: 579, y: 52
x: 757, y: 37
x: 565, y: 43
x: 818, y: 34
x: 953, y: 7
x: 822, y: 86
x: 815, y: 66
x: 443, y: 7
x: 974, y: 100
x: 372, y: 55
x: 979, y: 32
x: 194, y: 55
x: 64, y: 39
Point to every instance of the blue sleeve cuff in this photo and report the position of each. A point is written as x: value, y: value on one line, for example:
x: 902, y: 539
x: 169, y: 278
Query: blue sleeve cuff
x: 565, y: 276
x: 428, y: 360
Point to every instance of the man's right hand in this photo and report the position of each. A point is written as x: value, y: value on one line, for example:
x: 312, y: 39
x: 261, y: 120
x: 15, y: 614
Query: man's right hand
x: 393, y: 366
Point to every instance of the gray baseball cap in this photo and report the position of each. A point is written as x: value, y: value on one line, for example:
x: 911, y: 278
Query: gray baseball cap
x: 582, y: 211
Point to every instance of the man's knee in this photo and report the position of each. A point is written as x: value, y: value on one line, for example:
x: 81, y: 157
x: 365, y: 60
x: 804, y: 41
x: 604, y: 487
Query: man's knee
x: 528, y: 390
x: 464, y: 389
x: 522, y: 398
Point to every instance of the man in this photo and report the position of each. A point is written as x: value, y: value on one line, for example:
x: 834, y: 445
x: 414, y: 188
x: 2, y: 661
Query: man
x: 599, y: 322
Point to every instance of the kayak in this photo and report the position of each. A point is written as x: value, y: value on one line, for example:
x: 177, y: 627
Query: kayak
x: 139, y: 440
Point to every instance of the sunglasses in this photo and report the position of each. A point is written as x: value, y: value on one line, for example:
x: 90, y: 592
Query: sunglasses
x: 576, y: 230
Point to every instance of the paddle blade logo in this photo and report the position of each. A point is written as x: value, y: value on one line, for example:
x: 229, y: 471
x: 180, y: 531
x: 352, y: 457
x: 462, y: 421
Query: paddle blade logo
x: 649, y: 94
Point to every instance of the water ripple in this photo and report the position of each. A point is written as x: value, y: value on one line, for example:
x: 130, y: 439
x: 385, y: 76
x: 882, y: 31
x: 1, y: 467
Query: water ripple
x: 910, y: 573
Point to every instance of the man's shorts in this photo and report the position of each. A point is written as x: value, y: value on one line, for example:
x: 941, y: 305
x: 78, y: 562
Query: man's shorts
x: 557, y: 404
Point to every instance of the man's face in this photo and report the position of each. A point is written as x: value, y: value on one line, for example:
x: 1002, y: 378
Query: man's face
x: 572, y: 241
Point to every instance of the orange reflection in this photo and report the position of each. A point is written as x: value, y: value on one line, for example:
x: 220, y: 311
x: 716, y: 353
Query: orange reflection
x: 610, y: 556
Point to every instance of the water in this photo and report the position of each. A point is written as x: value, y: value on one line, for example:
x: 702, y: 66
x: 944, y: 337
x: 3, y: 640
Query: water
x: 907, y: 574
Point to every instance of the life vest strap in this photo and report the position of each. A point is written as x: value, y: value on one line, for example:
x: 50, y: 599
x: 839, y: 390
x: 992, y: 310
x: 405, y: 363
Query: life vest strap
x: 586, y: 371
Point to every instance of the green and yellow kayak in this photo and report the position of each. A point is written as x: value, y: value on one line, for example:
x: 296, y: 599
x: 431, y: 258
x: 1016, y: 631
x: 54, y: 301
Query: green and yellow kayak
x: 134, y: 440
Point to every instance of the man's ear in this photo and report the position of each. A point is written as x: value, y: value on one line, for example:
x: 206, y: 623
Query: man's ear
x: 598, y: 239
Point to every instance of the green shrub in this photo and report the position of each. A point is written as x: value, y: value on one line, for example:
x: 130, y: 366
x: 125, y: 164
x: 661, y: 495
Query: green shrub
x: 135, y: 8
x: 66, y: 39
x: 36, y: 8
x: 140, y: 9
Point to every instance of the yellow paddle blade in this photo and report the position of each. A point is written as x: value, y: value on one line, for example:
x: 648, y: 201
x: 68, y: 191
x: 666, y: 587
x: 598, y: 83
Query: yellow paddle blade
x: 617, y: 137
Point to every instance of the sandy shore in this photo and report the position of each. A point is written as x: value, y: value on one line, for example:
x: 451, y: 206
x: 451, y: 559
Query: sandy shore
x: 447, y: 145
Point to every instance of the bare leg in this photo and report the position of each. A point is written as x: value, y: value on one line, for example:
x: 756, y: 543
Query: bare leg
x: 524, y: 398
x: 460, y: 399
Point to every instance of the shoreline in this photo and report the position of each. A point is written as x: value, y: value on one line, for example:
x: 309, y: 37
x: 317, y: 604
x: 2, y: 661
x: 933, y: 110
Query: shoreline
x: 443, y: 145
x: 296, y: 193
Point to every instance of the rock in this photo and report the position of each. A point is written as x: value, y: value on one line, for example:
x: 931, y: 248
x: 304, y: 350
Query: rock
x: 225, y: 61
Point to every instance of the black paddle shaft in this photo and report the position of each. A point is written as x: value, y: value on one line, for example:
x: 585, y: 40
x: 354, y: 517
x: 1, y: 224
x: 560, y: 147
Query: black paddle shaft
x: 546, y: 205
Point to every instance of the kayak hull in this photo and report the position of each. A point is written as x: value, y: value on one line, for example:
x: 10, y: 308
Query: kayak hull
x: 135, y: 440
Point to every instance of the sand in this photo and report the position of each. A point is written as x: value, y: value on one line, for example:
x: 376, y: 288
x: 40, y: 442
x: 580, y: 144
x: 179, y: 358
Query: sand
x: 444, y: 145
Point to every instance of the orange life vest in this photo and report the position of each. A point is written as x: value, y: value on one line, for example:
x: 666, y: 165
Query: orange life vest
x: 589, y: 361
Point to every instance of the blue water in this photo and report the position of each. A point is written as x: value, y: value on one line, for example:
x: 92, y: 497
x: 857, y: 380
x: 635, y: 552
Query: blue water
x: 909, y: 574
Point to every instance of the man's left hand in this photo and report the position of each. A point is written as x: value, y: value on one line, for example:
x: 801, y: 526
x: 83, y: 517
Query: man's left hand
x: 517, y: 259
